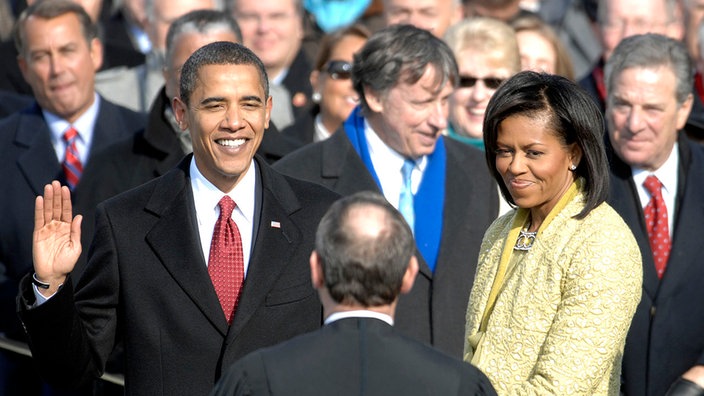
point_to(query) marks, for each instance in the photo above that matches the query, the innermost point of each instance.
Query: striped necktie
(73, 169)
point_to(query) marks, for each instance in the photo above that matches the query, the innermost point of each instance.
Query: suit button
(652, 311)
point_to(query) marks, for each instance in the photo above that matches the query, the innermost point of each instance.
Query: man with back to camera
(363, 259)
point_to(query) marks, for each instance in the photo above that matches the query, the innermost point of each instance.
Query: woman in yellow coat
(559, 278)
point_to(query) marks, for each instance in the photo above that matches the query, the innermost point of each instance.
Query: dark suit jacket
(156, 150)
(353, 356)
(666, 335)
(434, 311)
(11, 102)
(297, 82)
(115, 35)
(303, 128)
(146, 283)
(28, 162)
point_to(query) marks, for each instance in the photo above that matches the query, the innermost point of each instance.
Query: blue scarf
(428, 201)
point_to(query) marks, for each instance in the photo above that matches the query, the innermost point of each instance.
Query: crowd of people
(245, 197)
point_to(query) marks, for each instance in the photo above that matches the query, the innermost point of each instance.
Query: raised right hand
(56, 243)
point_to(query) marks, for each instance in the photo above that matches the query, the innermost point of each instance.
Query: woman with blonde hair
(487, 54)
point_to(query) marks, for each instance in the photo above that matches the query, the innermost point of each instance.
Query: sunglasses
(338, 70)
(490, 82)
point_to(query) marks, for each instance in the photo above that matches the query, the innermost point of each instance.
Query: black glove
(684, 387)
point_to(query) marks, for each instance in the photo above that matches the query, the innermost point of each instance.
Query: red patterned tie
(72, 164)
(657, 224)
(226, 261)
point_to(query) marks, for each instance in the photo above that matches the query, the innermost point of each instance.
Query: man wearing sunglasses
(393, 143)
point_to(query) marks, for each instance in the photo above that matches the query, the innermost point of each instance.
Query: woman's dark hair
(330, 41)
(572, 115)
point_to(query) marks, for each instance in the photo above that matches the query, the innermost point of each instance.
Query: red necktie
(72, 164)
(657, 224)
(226, 261)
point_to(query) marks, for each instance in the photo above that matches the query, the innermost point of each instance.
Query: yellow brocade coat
(560, 320)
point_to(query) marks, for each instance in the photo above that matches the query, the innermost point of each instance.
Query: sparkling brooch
(525, 240)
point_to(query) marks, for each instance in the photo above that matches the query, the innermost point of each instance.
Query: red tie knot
(653, 185)
(227, 205)
(70, 134)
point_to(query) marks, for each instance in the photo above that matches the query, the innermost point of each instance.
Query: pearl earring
(573, 167)
(316, 97)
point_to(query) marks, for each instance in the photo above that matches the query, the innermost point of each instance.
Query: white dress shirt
(387, 165)
(206, 197)
(320, 132)
(84, 125)
(362, 313)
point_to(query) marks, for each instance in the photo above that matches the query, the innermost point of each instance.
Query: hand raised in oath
(56, 244)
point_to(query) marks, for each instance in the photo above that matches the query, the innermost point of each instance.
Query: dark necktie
(657, 224)
(73, 169)
(226, 261)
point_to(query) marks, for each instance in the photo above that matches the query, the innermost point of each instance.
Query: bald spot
(367, 222)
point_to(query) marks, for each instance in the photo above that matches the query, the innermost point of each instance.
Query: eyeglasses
(490, 82)
(339, 70)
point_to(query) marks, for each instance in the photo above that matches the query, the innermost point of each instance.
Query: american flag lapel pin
(275, 224)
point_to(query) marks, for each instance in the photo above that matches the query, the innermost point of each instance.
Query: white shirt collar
(387, 165)
(279, 78)
(667, 174)
(321, 133)
(362, 313)
(140, 37)
(242, 194)
(206, 198)
(84, 125)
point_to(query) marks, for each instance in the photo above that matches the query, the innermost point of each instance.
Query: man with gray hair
(657, 184)
(618, 19)
(363, 260)
(163, 144)
(393, 144)
(137, 87)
